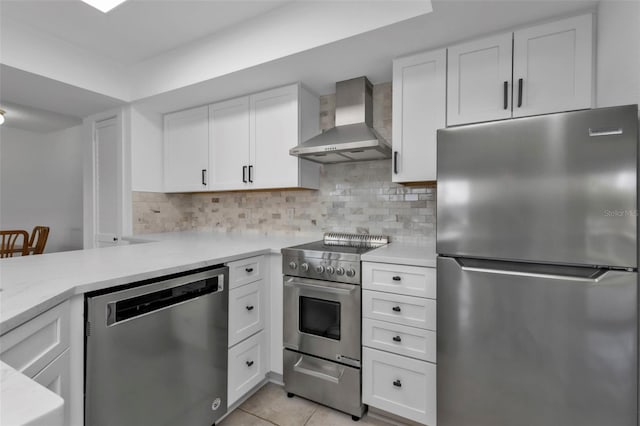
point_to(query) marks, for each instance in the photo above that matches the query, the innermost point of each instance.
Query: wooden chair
(9, 239)
(38, 239)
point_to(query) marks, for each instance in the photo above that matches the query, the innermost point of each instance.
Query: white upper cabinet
(548, 69)
(479, 80)
(419, 99)
(242, 143)
(229, 144)
(186, 150)
(274, 130)
(553, 66)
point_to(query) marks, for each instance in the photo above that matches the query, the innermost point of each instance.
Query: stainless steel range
(322, 319)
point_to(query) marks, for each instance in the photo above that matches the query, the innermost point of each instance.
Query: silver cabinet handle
(301, 368)
(605, 132)
(326, 287)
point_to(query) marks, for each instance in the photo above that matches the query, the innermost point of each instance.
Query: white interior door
(229, 144)
(108, 183)
(479, 80)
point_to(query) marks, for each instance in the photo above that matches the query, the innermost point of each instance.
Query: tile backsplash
(353, 197)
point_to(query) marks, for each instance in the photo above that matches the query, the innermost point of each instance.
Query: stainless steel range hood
(353, 138)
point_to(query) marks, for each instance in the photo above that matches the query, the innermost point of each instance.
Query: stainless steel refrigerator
(537, 236)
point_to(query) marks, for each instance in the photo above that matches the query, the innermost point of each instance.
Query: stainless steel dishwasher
(156, 353)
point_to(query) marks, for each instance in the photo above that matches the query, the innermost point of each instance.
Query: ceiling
(137, 29)
(371, 53)
(127, 34)
(40, 104)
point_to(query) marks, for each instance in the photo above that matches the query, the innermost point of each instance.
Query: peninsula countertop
(30, 285)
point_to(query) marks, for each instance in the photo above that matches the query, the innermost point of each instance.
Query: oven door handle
(304, 368)
(326, 286)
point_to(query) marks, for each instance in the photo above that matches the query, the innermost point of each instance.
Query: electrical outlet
(290, 213)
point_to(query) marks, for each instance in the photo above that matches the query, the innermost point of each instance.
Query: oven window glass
(320, 317)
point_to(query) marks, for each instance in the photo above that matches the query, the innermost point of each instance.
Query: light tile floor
(271, 406)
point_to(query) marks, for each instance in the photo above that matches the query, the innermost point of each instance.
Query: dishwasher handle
(127, 309)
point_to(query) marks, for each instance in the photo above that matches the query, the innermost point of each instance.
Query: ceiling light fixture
(104, 5)
(2, 116)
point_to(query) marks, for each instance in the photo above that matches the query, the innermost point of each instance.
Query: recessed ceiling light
(103, 5)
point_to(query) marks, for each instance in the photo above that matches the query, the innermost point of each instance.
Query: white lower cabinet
(56, 377)
(39, 349)
(399, 340)
(247, 366)
(399, 385)
(248, 346)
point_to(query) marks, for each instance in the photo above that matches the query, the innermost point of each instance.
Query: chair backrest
(38, 239)
(9, 239)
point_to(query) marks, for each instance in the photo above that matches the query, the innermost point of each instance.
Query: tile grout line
(311, 415)
(255, 415)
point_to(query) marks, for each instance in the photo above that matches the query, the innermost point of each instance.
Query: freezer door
(560, 188)
(535, 346)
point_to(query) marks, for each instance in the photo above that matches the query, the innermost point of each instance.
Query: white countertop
(25, 402)
(404, 254)
(32, 284)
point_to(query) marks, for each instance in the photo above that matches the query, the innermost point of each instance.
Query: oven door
(323, 318)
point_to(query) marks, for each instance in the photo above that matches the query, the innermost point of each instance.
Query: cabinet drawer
(245, 271)
(399, 309)
(33, 345)
(401, 279)
(399, 385)
(247, 367)
(246, 311)
(400, 339)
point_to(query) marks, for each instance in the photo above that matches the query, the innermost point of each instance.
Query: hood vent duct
(353, 138)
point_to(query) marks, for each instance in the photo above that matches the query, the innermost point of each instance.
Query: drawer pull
(249, 270)
(397, 339)
(396, 278)
(396, 309)
(397, 383)
(249, 307)
(249, 363)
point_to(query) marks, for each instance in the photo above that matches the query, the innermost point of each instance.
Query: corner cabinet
(537, 70)
(419, 99)
(186, 150)
(40, 349)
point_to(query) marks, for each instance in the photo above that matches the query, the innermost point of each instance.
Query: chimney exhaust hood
(353, 138)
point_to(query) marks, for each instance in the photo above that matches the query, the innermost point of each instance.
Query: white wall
(41, 184)
(146, 140)
(618, 53)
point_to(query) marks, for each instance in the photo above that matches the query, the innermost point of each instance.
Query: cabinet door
(229, 144)
(274, 130)
(479, 80)
(56, 377)
(419, 105)
(247, 366)
(553, 65)
(186, 150)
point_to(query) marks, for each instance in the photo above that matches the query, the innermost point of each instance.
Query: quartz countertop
(25, 402)
(423, 254)
(32, 284)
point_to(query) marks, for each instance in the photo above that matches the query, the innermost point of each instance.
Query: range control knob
(293, 265)
(304, 267)
(331, 269)
(351, 272)
(319, 269)
(340, 270)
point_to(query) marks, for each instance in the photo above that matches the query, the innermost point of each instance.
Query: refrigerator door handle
(592, 276)
(605, 132)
